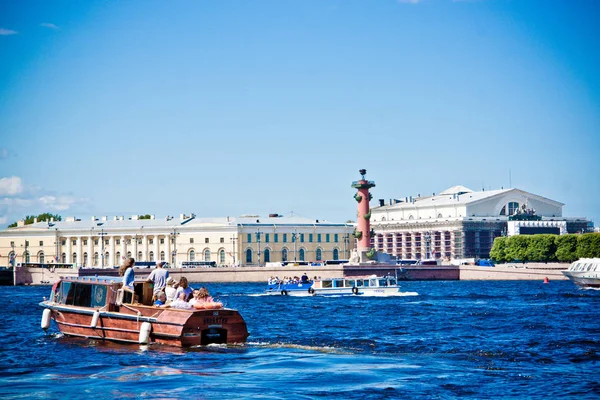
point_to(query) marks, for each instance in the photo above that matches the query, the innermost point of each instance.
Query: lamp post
(12, 262)
(102, 234)
(258, 241)
(233, 240)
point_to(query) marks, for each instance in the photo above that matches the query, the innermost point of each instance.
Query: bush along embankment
(546, 248)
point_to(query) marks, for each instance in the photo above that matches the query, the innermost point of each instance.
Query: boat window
(392, 282)
(99, 295)
(366, 283)
(383, 282)
(64, 292)
(359, 283)
(349, 283)
(327, 284)
(79, 294)
(338, 284)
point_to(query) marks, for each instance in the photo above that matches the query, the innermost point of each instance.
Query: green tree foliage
(498, 252)
(517, 249)
(566, 248)
(147, 216)
(588, 245)
(42, 217)
(541, 248)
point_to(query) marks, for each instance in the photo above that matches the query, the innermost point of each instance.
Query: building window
(162, 256)
(106, 242)
(74, 260)
(63, 242)
(118, 241)
(151, 256)
(285, 238)
(63, 258)
(139, 256)
(249, 238)
(206, 240)
(128, 254)
(310, 238)
(275, 237)
(222, 256)
(41, 257)
(513, 206)
(440, 216)
(74, 242)
(267, 255)
(327, 238)
(222, 240)
(301, 252)
(139, 241)
(118, 258)
(162, 241)
(267, 237)
(85, 259)
(336, 254)
(335, 238)
(191, 240)
(96, 242)
(248, 255)
(207, 255)
(319, 254)
(96, 259)
(84, 242)
(411, 217)
(107, 258)
(150, 241)
(41, 243)
(318, 238)
(302, 238)
(192, 255)
(284, 254)
(12, 244)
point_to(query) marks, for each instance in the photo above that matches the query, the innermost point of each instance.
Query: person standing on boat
(159, 277)
(126, 271)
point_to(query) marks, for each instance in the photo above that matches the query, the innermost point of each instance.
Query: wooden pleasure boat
(99, 308)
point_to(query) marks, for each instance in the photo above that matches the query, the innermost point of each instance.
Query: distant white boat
(585, 272)
(359, 286)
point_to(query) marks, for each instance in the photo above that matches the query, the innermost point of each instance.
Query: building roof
(458, 189)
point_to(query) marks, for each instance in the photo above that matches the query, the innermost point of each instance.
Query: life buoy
(284, 293)
(311, 290)
(46, 315)
(145, 330)
(355, 290)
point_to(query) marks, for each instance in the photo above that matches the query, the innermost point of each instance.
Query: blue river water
(454, 339)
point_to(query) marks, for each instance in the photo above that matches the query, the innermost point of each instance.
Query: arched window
(192, 255)
(207, 255)
(440, 215)
(301, 252)
(85, 259)
(27, 257)
(284, 254)
(319, 254)
(11, 258)
(513, 206)
(222, 256)
(336, 254)
(411, 217)
(162, 256)
(139, 256)
(63, 258)
(248, 256)
(267, 255)
(96, 259)
(151, 256)
(117, 258)
(73, 260)
(128, 254)
(107, 259)
(41, 257)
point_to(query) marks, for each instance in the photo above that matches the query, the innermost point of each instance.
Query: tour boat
(99, 308)
(585, 272)
(357, 286)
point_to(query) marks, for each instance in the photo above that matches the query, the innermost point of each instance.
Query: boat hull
(358, 291)
(583, 279)
(167, 326)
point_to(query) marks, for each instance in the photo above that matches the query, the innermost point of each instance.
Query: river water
(454, 339)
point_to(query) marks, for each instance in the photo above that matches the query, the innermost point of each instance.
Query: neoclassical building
(461, 223)
(246, 240)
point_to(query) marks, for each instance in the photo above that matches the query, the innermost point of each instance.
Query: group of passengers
(289, 280)
(167, 291)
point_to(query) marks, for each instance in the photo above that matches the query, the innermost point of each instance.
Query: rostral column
(363, 230)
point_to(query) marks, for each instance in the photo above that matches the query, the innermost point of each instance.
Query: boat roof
(93, 279)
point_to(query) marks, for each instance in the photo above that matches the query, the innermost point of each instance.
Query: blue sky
(232, 107)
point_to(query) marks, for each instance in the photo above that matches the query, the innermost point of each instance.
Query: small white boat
(585, 272)
(357, 286)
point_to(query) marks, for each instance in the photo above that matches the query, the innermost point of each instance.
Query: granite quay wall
(508, 272)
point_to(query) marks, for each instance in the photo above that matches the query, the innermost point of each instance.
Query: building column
(395, 244)
(68, 249)
(156, 248)
(111, 252)
(80, 250)
(90, 251)
(403, 238)
(123, 248)
(145, 248)
(168, 249)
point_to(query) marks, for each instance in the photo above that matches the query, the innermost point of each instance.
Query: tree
(147, 216)
(541, 248)
(517, 248)
(566, 248)
(588, 245)
(42, 217)
(498, 252)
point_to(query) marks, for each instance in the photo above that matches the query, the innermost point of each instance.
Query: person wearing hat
(159, 277)
(171, 290)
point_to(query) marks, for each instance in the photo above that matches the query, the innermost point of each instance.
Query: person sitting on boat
(126, 271)
(305, 278)
(194, 296)
(185, 288)
(159, 277)
(161, 300)
(171, 289)
(181, 302)
(204, 300)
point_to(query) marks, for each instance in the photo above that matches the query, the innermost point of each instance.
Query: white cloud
(10, 186)
(60, 203)
(49, 26)
(7, 32)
